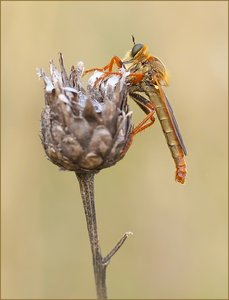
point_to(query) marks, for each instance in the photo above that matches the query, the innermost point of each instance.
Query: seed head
(84, 129)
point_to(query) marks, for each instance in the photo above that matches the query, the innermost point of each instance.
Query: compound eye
(136, 49)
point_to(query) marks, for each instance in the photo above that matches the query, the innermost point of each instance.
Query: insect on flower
(147, 75)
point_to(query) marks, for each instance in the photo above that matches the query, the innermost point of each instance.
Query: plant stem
(100, 263)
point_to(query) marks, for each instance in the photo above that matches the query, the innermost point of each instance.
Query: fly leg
(136, 78)
(106, 74)
(115, 60)
(148, 108)
(107, 70)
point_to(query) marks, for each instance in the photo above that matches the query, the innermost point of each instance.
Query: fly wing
(175, 125)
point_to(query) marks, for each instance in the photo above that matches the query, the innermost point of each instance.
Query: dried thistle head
(84, 130)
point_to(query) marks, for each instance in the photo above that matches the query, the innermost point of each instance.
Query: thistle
(85, 130)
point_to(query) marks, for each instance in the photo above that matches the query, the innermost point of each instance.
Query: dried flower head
(84, 130)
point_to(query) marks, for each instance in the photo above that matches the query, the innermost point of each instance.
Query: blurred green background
(179, 246)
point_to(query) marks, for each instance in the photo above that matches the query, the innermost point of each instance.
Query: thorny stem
(100, 263)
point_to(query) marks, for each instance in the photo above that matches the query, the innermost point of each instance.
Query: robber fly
(147, 76)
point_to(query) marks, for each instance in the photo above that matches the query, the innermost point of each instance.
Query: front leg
(114, 60)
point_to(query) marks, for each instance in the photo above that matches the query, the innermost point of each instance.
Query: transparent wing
(175, 125)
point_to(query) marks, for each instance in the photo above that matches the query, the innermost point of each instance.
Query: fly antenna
(133, 39)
